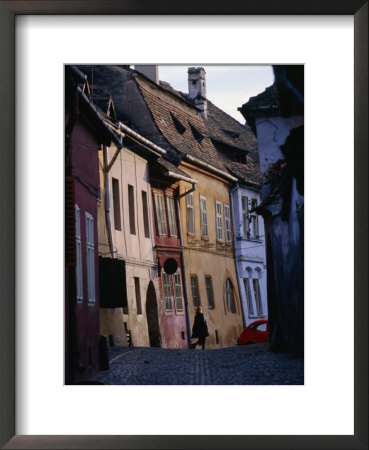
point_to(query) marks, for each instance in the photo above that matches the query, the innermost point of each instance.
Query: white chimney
(197, 88)
(150, 71)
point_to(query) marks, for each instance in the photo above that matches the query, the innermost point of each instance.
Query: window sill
(249, 239)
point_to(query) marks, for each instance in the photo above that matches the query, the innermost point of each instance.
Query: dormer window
(196, 133)
(232, 134)
(178, 124)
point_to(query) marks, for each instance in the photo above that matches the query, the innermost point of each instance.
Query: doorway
(152, 316)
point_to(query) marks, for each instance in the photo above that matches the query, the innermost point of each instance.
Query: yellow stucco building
(209, 255)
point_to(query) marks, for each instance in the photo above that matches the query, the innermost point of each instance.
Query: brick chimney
(151, 71)
(197, 88)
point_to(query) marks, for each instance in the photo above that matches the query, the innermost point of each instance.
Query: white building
(250, 252)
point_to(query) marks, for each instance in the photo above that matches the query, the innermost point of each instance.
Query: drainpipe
(237, 268)
(107, 201)
(188, 322)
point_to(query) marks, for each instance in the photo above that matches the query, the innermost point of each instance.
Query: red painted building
(84, 134)
(174, 320)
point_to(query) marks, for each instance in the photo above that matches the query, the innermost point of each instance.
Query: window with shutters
(227, 222)
(195, 291)
(204, 217)
(171, 216)
(219, 221)
(166, 292)
(160, 214)
(145, 213)
(245, 216)
(190, 214)
(131, 209)
(209, 291)
(90, 249)
(229, 292)
(79, 278)
(116, 204)
(178, 291)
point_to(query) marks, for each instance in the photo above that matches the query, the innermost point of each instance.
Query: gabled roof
(177, 124)
(182, 125)
(195, 140)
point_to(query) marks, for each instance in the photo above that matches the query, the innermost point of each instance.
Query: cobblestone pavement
(246, 365)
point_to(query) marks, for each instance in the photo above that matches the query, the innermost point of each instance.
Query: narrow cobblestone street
(246, 365)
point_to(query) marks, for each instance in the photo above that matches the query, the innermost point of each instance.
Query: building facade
(126, 243)
(164, 179)
(84, 134)
(249, 242)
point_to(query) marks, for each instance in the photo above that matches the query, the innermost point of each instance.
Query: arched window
(229, 292)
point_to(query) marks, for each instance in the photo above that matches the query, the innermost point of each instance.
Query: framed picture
(12, 257)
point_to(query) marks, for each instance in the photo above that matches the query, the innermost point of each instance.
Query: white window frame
(190, 213)
(79, 272)
(178, 293)
(171, 216)
(210, 291)
(227, 222)
(90, 261)
(219, 220)
(204, 217)
(160, 213)
(258, 303)
(245, 216)
(249, 299)
(167, 294)
(254, 218)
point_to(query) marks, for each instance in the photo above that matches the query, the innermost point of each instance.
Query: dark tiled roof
(226, 129)
(221, 127)
(188, 132)
(248, 173)
(263, 102)
(195, 143)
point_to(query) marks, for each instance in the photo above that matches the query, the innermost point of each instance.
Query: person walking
(199, 329)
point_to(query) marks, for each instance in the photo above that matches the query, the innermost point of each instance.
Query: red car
(255, 333)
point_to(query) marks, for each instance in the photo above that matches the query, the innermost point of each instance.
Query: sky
(227, 86)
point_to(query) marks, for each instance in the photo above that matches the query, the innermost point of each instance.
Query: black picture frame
(8, 11)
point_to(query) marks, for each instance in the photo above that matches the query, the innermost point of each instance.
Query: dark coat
(200, 327)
